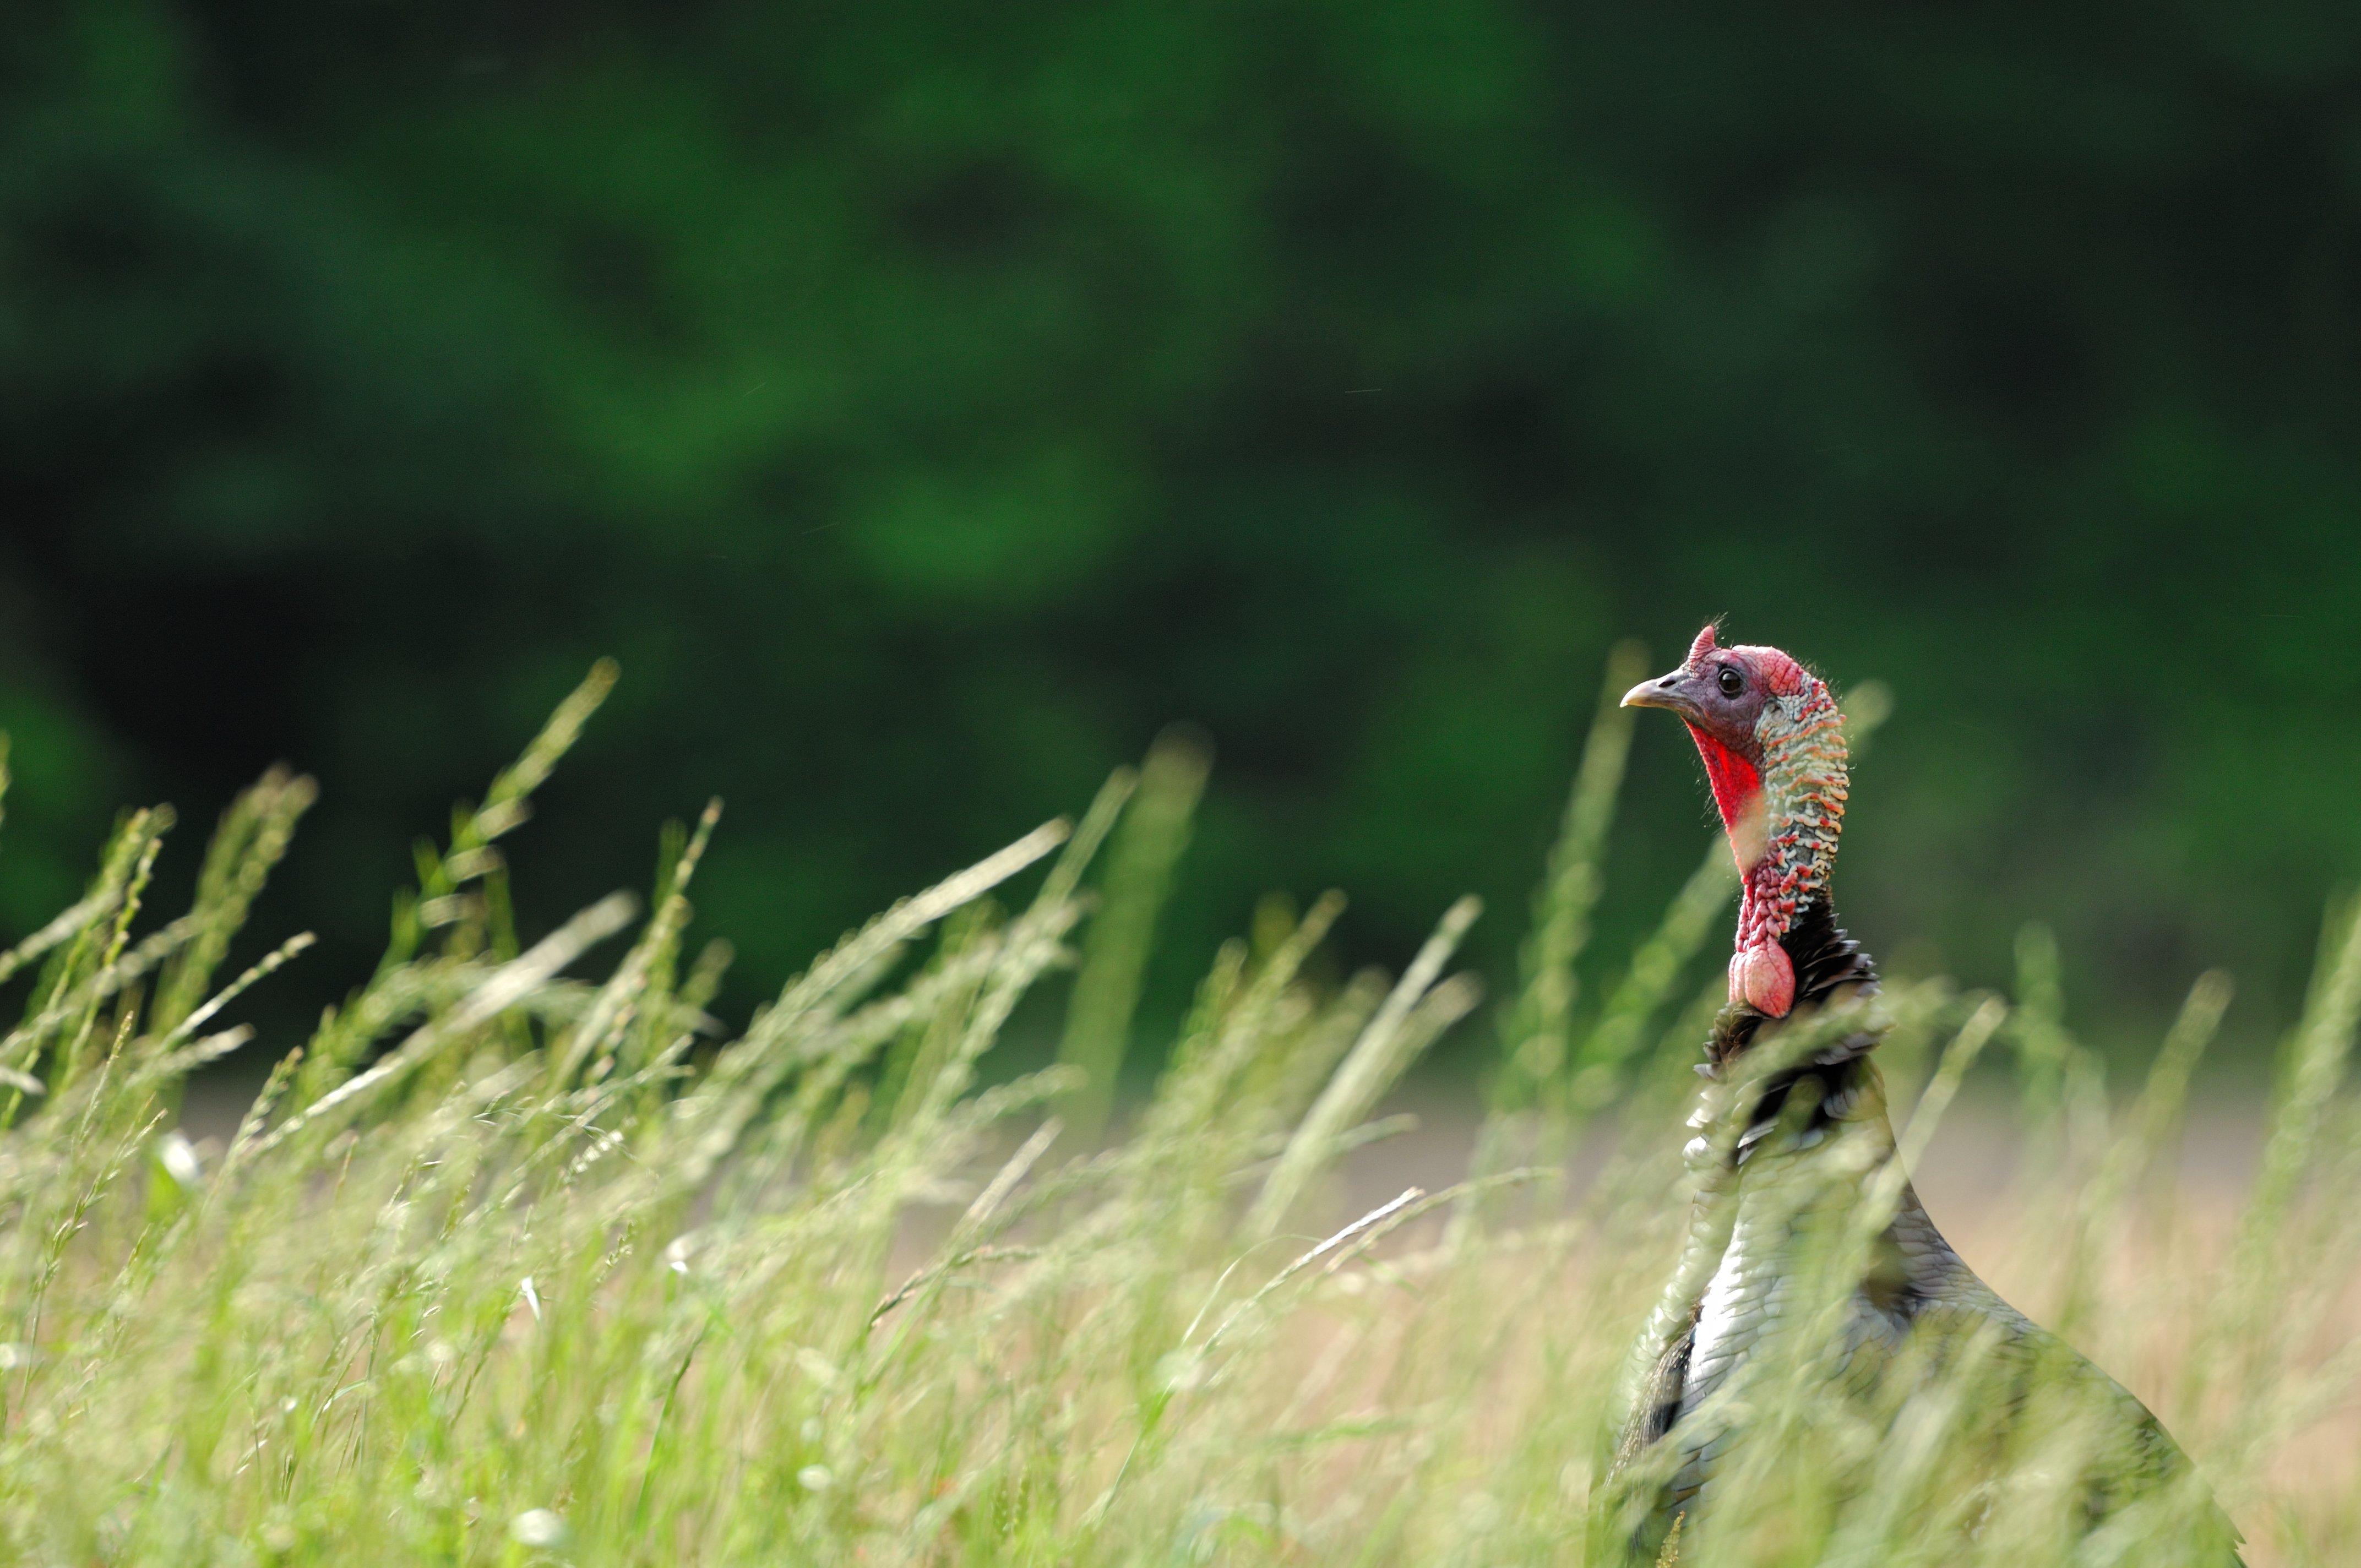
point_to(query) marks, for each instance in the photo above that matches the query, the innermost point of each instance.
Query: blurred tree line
(928, 402)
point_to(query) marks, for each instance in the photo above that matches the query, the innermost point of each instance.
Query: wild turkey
(1905, 1326)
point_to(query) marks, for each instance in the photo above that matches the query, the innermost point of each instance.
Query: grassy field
(523, 1258)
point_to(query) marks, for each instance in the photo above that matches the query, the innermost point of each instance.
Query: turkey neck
(1781, 800)
(1785, 839)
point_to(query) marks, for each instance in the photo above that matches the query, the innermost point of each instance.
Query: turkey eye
(1731, 684)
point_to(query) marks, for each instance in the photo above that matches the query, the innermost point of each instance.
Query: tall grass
(523, 1257)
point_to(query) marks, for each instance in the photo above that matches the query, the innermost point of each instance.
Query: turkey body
(1888, 1345)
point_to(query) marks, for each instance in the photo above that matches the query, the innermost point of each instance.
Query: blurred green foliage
(926, 402)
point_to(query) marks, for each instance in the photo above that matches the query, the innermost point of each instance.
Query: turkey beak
(1668, 692)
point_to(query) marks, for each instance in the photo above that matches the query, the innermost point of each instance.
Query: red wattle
(1736, 782)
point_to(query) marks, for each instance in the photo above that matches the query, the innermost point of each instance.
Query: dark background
(928, 403)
